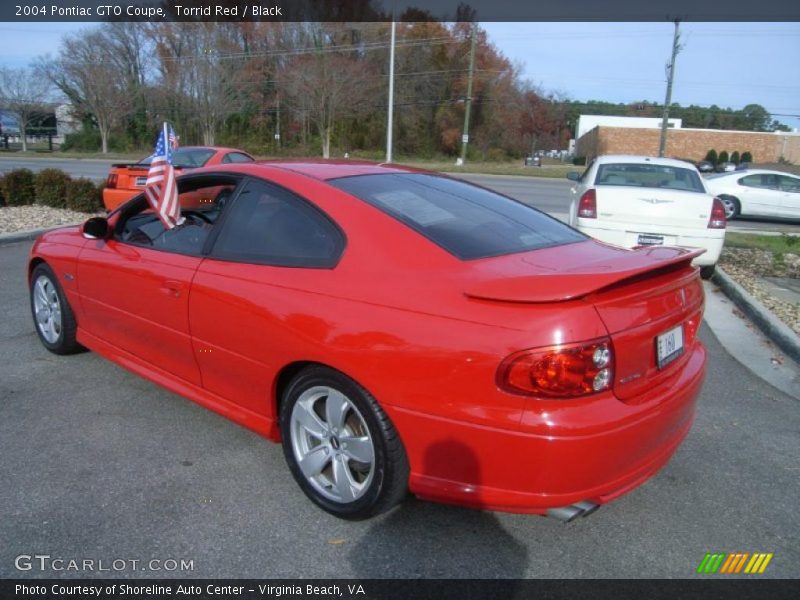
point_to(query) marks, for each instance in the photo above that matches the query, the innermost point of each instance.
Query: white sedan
(757, 193)
(639, 200)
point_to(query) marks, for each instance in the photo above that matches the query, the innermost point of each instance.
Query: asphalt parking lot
(99, 464)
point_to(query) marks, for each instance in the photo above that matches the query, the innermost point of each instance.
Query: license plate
(140, 181)
(669, 346)
(650, 240)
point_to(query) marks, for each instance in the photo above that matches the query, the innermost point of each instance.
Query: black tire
(707, 272)
(63, 338)
(385, 482)
(733, 208)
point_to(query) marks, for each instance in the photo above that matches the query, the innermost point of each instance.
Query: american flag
(161, 189)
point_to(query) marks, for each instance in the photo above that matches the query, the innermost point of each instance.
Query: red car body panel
(423, 331)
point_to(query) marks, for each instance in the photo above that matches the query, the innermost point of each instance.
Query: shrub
(723, 156)
(579, 161)
(711, 156)
(747, 157)
(51, 188)
(83, 195)
(735, 157)
(2, 198)
(18, 187)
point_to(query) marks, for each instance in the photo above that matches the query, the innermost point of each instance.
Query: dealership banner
(397, 589)
(398, 10)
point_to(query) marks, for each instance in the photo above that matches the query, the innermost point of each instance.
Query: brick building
(689, 143)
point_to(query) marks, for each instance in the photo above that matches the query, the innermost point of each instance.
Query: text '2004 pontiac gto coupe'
(396, 330)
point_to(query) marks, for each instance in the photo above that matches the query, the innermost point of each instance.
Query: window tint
(465, 220)
(270, 225)
(760, 180)
(236, 157)
(650, 176)
(789, 184)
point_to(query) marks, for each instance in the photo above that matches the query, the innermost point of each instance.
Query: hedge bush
(18, 187)
(711, 156)
(51, 187)
(723, 156)
(84, 196)
(2, 197)
(735, 157)
(747, 157)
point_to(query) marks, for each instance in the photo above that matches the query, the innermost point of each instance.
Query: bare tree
(328, 87)
(92, 80)
(25, 95)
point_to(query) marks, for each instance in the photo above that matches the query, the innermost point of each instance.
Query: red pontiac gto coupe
(397, 330)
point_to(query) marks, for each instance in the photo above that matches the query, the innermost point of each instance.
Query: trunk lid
(653, 208)
(638, 294)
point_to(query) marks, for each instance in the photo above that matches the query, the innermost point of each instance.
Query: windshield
(649, 176)
(466, 220)
(186, 157)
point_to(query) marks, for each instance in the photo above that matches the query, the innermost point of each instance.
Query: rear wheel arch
(35, 262)
(733, 206)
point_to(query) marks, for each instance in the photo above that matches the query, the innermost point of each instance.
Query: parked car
(127, 180)
(395, 330)
(725, 167)
(641, 201)
(757, 193)
(705, 166)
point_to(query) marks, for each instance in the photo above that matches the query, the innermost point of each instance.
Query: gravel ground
(25, 218)
(747, 265)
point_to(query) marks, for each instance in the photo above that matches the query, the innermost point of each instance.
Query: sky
(727, 64)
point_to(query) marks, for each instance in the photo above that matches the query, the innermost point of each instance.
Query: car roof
(758, 172)
(214, 148)
(643, 160)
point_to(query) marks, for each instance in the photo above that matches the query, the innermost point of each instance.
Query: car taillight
(566, 371)
(111, 182)
(587, 205)
(717, 219)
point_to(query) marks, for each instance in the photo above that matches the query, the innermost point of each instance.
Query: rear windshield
(650, 176)
(467, 221)
(186, 158)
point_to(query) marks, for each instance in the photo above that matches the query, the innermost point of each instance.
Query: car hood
(570, 272)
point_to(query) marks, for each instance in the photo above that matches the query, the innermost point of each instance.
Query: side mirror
(574, 176)
(95, 228)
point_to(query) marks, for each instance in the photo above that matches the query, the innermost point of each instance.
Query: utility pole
(390, 119)
(676, 48)
(465, 135)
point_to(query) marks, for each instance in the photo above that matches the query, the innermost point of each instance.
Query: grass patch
(777, 244)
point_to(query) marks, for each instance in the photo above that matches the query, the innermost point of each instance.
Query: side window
(236, 157)
(789, 184)
(270, 225)
(758, 181)
(200, 207)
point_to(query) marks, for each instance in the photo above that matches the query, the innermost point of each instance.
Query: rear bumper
(627, 236)
(518, 471)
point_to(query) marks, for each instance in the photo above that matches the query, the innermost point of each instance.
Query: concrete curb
(23, 236)
(775, 329)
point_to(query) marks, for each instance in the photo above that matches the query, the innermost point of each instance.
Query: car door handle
(172, 287)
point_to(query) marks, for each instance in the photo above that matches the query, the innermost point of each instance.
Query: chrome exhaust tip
(565, 514)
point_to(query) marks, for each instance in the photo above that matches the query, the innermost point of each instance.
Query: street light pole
(390, 119)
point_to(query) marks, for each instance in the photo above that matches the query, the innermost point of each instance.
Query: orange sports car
(127, 180)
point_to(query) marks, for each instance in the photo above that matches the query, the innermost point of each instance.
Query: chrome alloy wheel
(332, 444)
(47, 309)
(730, 207)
